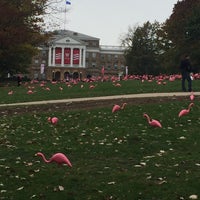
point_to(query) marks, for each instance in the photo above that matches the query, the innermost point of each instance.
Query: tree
(143, 48)
(183, 28)
(20, 33)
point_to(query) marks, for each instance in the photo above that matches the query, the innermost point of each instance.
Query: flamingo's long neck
(189, 107)
(123, 105)
(45, 160)
(148, 118)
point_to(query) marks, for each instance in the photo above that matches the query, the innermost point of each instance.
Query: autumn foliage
(20, 33)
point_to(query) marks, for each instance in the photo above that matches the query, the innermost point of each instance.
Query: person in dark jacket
(186, 71)
(19, 80)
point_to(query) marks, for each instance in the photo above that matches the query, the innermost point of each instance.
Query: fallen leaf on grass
(111, 183)
(59, 188)
(193, 196)
(169, 128)
(28, 164)
(143, 164)
(146, 157)
(182, 138)
(161, 181)
(137, 165)
(149, 177)
(31, 175)
(36, 170)
(20, 188)
(161, 153)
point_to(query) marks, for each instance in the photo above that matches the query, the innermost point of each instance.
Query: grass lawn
(65, 91)
(114, 155)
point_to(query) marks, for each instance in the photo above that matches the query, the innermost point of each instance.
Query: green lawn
(114, 155)
(83, 90)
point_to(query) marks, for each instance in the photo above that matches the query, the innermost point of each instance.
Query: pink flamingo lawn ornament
(58, 158)
(53, 120)
(185, 111)
(61, 88)
(10, 92)
(152, 122)
(117, 85)
(117, 107)
(30, 92)
(92, 86)
(192, 96)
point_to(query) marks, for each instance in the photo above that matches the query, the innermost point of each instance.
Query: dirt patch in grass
(86, 105)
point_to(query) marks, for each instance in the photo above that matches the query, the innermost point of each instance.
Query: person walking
(186, 71)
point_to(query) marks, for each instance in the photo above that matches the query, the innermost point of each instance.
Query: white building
(75, 55)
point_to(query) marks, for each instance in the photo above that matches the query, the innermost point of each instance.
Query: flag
(58, 55)
(67, 56)
(68, 2)
(76, 53)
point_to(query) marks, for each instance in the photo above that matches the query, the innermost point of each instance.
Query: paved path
(128, 96)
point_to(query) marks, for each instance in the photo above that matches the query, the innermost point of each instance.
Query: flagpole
(65, 13)
(65, 18)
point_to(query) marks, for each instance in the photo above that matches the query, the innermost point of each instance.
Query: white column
(84, 56)
(71, 57)
(50, 61)
(62, 58)
(80, 57)
(54, 56)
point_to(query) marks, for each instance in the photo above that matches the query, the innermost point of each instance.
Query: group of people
(186, 72)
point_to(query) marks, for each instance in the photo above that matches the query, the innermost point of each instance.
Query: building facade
(75, 55)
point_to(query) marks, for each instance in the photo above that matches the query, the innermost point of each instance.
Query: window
(35, 75)
(94, 44)
(86, 43)
(109, 57)
(94, 55)
(44, 53)
(93, 65)
(102, 56)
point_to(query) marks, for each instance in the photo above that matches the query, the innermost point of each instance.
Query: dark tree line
(20, 33)
(155, 48)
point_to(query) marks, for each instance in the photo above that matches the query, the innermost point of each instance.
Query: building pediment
(68, 41)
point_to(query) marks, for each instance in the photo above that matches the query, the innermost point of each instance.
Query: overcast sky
(108, 20)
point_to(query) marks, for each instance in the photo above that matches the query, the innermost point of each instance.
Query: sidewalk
(128, 96)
